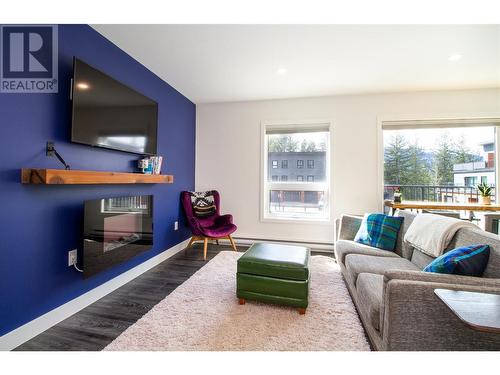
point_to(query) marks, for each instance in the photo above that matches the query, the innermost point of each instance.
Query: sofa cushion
(356, 264)
(466, 261)
(379, 230)
(402, 248)
(420, 259)
(370, 289)
(344, 247)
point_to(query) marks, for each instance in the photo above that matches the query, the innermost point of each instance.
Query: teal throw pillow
(379, 230)
(466, 261)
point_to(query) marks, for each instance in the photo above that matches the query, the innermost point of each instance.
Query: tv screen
(108, 114)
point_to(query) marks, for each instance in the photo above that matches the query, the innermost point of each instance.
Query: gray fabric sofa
(395, 298)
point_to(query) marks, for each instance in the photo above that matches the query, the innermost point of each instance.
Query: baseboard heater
(316, 246)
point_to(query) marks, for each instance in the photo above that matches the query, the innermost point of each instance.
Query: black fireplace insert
(115, 230)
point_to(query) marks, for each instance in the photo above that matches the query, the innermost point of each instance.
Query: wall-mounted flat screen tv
(109, 114)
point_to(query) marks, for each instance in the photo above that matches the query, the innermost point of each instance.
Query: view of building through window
(439, 164)
(298, 186)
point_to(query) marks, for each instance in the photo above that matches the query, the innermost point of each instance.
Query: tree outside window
(442, 164)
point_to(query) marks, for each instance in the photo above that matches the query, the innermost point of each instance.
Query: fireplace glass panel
(115, 230)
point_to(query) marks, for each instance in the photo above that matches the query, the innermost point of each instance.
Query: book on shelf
(156, 164)
(151, 164)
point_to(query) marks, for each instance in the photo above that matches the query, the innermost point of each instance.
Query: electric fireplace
(115, 230)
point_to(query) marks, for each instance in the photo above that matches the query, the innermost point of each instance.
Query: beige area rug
(203, 314)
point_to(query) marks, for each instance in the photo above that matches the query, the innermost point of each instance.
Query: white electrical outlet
(176, 225)
(72, 257)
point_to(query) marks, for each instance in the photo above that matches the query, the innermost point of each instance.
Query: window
(439, 161)
(275, 164)
(470, 181)
(295, 196)
(274, 178)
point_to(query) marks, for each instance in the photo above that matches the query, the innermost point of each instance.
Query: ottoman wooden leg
(302, 311)
(242, 301)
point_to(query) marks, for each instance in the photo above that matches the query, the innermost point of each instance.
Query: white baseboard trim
(29, 330)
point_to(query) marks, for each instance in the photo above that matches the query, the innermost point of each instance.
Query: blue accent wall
(39, 224)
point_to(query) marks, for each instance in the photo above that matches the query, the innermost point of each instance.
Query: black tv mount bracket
(51, 151)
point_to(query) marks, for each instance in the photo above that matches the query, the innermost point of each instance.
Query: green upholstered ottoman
(275, 274)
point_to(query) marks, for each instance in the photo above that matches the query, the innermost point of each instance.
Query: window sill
(291, 220)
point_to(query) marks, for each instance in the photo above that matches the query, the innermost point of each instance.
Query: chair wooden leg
(205, 245)
(242, 301)
(217, 242)
(233, 245)
(302, 311)
(190, 242)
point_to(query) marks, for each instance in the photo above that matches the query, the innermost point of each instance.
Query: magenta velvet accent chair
(212, 227)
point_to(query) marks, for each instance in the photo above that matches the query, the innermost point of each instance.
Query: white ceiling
(213, 63)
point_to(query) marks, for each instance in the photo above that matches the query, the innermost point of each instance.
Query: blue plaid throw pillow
(379, 230)
(466, 261)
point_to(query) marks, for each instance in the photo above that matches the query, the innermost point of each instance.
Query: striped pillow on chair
(203, 203)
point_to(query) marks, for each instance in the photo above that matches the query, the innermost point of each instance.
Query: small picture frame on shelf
(144, 165)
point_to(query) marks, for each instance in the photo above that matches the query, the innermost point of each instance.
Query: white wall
(228, 149)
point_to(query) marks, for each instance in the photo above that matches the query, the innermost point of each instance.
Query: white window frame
(430, 122)
(265, 186)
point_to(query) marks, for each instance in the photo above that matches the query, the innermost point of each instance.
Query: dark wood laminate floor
(94, 327)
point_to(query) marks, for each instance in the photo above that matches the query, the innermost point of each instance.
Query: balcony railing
(472, 166)
(436, 193)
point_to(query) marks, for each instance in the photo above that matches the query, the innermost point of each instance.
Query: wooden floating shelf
(71, 177)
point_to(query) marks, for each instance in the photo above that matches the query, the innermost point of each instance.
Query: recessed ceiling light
(455, 57)
(82, 85)
(282, 71)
